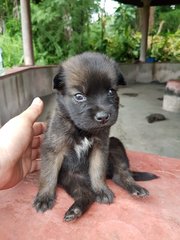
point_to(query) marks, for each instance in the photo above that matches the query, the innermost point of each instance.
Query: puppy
(77, 152)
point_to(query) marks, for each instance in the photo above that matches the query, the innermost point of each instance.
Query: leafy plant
(166, 48)
(170, 17)
(12, 50)
(62, 28)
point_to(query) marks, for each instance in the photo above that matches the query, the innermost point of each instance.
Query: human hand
(20, 140)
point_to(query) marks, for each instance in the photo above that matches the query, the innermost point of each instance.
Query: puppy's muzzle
(102, 117)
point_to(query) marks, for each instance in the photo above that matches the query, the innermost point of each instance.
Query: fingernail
(37, 101)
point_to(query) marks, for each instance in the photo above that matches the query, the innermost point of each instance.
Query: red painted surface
(154, 218)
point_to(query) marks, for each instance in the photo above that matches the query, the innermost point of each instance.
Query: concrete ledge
(148, 72)
(18, 88)
(166, 71)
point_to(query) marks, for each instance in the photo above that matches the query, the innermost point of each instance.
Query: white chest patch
(83, 147)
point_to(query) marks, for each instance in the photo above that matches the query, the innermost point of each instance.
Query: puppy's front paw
(138, 191)
(105, 196)
(44, 202)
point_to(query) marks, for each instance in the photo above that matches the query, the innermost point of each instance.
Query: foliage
(12, 50)
(166, 48)
(125, 16)
(169, 15)
(10, 41)
(62, 28)
(124, 42)
(6, 8)
(122, 46)
(114, 36)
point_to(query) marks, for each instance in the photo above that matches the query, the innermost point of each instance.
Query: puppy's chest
(83, 147)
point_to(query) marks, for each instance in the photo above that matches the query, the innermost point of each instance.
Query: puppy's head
(86, 86)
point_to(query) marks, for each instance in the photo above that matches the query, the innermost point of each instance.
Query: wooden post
(27, 32)
(144, 29)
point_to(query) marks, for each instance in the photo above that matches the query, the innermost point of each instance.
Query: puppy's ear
(58, 81)
(120, 77)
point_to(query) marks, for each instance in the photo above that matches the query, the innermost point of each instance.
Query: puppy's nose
(102, 117)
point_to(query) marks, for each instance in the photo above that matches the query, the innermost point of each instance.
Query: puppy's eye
(111, 92)
(79, 97)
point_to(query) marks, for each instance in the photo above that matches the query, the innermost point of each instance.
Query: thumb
(34, 110)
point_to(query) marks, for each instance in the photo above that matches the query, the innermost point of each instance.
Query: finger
(35, 154)
(37, 141)
(35, 165)
(34, 110)
(38, 128)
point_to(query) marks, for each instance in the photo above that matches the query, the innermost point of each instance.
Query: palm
(20, 140)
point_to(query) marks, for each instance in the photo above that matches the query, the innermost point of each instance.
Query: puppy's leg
(97, 172)
(119, 167)
(51, 164)
(78, 186)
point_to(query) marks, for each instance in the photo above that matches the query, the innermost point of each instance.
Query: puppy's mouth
(97, 121)
(103, 122)
(95, 126)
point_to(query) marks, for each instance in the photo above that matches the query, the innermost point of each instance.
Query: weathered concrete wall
(166, 71)
(18, 88)
(148, 72)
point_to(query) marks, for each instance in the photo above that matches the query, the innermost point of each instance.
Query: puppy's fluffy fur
(77, 152)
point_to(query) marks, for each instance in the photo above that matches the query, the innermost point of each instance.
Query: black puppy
(77, 152)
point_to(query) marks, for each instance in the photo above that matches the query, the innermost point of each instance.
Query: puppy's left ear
(58, 81)
(120, 77)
